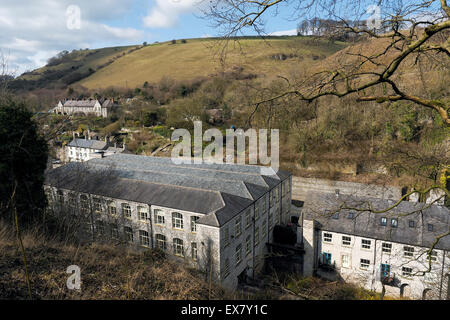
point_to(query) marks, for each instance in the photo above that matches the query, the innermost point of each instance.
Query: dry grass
(107, 272)
(199, 58)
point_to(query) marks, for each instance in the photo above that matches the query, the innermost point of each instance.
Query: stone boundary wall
(301, 186)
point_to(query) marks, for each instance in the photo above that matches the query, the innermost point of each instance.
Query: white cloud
(292, 32)
(167, 12)
(33, 31)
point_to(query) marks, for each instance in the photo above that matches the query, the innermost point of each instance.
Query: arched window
(426, 294)
(161, 241)
(194, 223)
(405, 290)
(178, 248)
(177, 220)
(142, 212)
(159, 217)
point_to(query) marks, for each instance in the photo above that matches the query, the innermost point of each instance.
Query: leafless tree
(410, 33)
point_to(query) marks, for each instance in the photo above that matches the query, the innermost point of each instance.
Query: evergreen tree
(23, 160)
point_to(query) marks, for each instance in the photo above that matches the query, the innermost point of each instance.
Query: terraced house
(378, 248)
(217, 217)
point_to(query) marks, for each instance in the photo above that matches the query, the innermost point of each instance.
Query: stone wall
(301, 186)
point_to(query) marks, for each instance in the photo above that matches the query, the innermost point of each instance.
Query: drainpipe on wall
(150, 226)
(253, 242)
(442, 277)
(374, 272)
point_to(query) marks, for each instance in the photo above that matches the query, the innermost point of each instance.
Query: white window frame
(114, 231)
(161, 241)
(407, 272)
(327, 237)
(129, 234)
(248, 245)
(364, 264)
(178, 247)
(386, 247)
(144, 238)
(238, 254)
(177, 221)
(142, 210)
(264, 229)
(238, 227)
(248, 219)
(345, 261)
(367, 245)
(226, 236)
(112, 207)
(408, 251)
(159, 217)
(346, 241)
(194, 220)
(126, 210)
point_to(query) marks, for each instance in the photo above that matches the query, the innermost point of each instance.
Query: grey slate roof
(218, 191)
(320, 206)
(91, 144)
(228, 178)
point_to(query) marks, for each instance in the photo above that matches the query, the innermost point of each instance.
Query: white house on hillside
(81, 150)
(100, 108)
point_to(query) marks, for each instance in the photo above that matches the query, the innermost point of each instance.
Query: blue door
(385, 270)
(326, 258)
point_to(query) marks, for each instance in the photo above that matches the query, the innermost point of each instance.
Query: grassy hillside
(132, 66)
(71, 68)
(185, 61)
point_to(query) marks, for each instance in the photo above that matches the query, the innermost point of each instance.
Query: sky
(32, 31)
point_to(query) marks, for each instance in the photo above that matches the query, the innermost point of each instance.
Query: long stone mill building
(217, 217)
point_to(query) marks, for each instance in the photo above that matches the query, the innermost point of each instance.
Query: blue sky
(31, 31)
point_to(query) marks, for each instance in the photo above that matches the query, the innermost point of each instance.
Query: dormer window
(430, 227)
(383, 221)
(394, 223)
